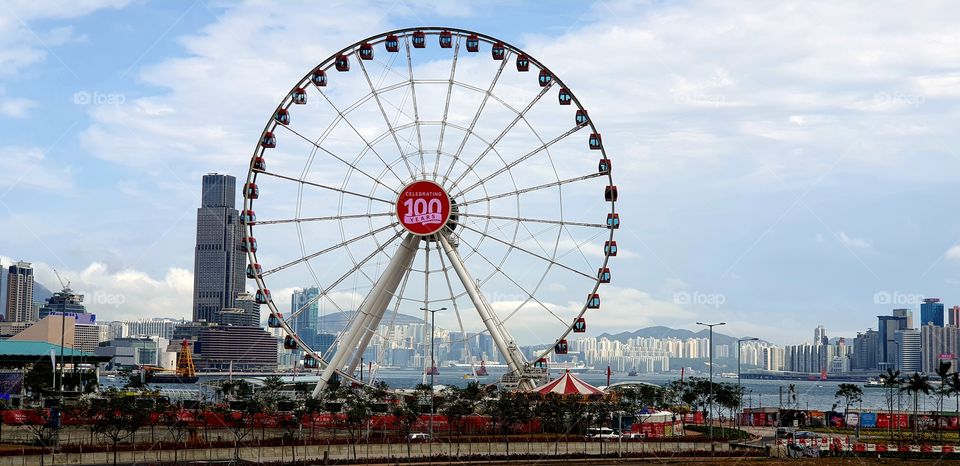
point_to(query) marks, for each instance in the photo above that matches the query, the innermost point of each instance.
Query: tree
(171, 418)
(117, 416)
(943, 370)
(954, 387)
(240, 422)
(552, 411)
(44, 426)
(849, 393)
(37, 380)
(915, 384)
(890, 380)
(456, 407)
(406, 412)
(357, 408)
(727, 395)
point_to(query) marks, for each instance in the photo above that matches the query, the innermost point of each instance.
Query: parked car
(633, 436)
(602, 433)
(804, 434)
(419, 437)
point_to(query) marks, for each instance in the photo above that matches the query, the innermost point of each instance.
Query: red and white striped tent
(568, 384)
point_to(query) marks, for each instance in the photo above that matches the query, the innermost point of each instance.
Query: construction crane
(64, 286)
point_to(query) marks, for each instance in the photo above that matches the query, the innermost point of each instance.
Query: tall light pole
(739, 388)
(710, 400)
(433, 362)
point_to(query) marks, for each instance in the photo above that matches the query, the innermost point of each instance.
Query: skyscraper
(820, 335)
(909, 360)
(906, 314)
(20, 293)
(931, 311)
(954, 316)
(306, 321)
(887, 327)
(219, 263)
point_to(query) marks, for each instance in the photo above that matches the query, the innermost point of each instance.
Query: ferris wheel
(425, 170)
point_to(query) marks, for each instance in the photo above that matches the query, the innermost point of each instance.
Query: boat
(186, 372)
(433, 370)
(873, 383)
(632, 373)
(482, 371)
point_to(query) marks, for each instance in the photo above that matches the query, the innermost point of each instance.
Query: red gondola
(603, 166)
(391, 43)
(595, 143)
(565, 96)
(268, 140)
(580, 325)
(419, 40)
(446, 39)
(523, 63)
(259, 164)
(593, 301)
(254, 271)
(282, 116)
(610, 248)
(289, 342)
(604, 275)
(582, 117)
(263, 296)
(366, 51)
(560, 347)
(248, 244)
(610, 193)
(248, 217)
(498, 51)
(274, 320)
(613, 221)
(473, 43)
(342, 63)
(319, 77)
(540, 363)
(299, 96)
(251, 191)
(309, 362)
(545, 78)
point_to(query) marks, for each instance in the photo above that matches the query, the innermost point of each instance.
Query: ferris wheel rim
(352, 49)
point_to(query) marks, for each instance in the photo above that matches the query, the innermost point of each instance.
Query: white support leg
(501, 337)
(371, 310)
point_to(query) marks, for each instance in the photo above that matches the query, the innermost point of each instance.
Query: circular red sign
(423, 207)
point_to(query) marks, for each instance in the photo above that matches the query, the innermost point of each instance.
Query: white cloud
(15, 107)
(28, 167)
(855, 243)
(953, 254)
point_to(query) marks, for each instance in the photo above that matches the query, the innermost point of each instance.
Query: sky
(780, 164)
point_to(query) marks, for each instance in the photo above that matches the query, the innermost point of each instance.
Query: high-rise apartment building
(908, 343)
(820, 335)
(953, 316)
(866, 348)
(20, 306)
(218, 261)
(931, 311)
(938, 344)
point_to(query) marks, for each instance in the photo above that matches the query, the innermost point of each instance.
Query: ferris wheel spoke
(372, 308)
(453, 300)
(446, 107)
(393, 317)
(360, 135)
(476, 116)
(335, 156)
(321, 219)
(530, 295)
(538, 256)
(533, 220)
(520, 116)
(416, 111)
(331, 248)
(533, 188)
(526, 156)
(505, 343)
(385, 118)
(341, 278)
(323, 186)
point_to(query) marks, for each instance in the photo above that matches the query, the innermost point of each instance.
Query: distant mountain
(667, 332)
(338, 321)
(41, 293)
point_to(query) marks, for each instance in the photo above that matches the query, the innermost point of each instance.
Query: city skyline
(801, 231)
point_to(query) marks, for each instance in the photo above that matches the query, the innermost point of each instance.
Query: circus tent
(568, 384)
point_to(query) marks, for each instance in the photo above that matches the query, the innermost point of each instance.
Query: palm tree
(917, 383)
(891, 380)
(954, 384)
(942, 370)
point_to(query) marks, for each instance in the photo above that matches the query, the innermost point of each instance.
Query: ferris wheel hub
(423, 207)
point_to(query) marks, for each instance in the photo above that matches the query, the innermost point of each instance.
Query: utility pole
(710, 400)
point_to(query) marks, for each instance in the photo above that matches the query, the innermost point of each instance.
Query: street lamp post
(739, 388)
(710, 400)
(433, 362)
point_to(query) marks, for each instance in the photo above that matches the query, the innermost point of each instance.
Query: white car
(419, 437)
(602, 433)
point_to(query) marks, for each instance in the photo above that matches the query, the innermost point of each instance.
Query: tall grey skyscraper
(20, 293)
(218, 267)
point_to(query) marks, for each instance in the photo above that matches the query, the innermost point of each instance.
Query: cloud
(15, 107)
(28, 167)
(953, 254)
(855, 243)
